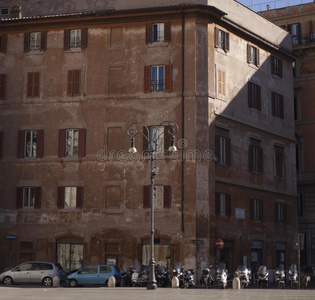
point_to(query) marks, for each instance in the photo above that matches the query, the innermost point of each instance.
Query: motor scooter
(144, 276)
(162, 276)
(206, 279)
(222, 275)
(188, 278)
(134, 277)
(263, 276)
(280, 276)
(293, 277)
(243, 274)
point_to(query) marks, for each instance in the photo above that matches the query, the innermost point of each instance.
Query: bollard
(175, 282)
(111, 281)
(236, 283)
(56, 281)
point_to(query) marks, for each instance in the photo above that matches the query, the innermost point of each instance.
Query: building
(299, 20)
(72, 82)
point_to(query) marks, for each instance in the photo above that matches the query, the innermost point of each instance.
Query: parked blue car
(93, 275)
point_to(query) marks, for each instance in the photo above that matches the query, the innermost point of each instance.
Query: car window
(59, 267)
(89, 270)
(36, 266)
(105, 269)
(24, 267)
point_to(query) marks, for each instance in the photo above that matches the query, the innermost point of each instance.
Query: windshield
(262, 269)
(280, 268)
(293, 269)
(222, 266)
(241, 268)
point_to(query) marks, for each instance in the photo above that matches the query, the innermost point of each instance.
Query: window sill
(221, 51)
(157, 44)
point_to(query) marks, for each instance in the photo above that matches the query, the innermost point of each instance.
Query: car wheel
(73, 283)
(47, 281)
(7, 280)
(106, 283)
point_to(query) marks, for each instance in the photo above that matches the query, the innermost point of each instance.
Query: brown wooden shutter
(29, 92)
(62, 143)
(281, 107)
(148, 33)
(21, 144)
(217, 204)
(227, 41)
(84, 37)
(81, 146)
(228, 151)
(80, 192)
(1, 144)
(167, 31)
(43, 41)
(168, 78)
(249, 56)
(66, 41)
(167, 196)
(40, 144)
(19, 197)
(3, 81)
(257, 57)
(146, 196)
(273, 103)
(261, 209)
(216, 37)
(260, 159)
(70, 83)
(250, 94)
(36, 84)
(61, 197)
(258, 97)
(228, 205)
(38, 197)
(26, 41)
(250, 157)
(76, 83)
(147, 79)
(272, 65)
(4, 40)
(217, 147)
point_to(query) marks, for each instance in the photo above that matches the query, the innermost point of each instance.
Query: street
(42, 293)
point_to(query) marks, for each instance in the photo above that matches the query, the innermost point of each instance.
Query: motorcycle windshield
(222, 267)
(161, 269)
(293, 269)
(262, 270)
(242, 269)
(280, 268)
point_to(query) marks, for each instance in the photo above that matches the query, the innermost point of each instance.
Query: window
(3, 43)
(71, 142)
(89, 270)
(280, 212)
(161, 196)
(277, 105)
(1, 144)
(222, 146)
(75, 38)
(255, 156)
(73, 83)
(161, 134)
(4, 11)
(31, 143)
(254, 96)
(279, 161)
(28, 197)
(222, 39)
(158, 32)
(295, 32)
(113, 196)
(256, 209)
(105, 269)
(33, 84)
(35, 41)
(253, 55)
(276, 66)
(300, 205)
(3, 84)
(221, 83)
(157, 78)
(70, 197)
(223, 204)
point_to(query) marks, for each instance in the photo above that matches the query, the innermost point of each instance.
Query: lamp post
(152, 135)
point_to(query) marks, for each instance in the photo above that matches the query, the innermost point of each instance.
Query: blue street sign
(10, 237)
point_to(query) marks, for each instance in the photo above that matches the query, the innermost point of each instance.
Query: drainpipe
(183, 114)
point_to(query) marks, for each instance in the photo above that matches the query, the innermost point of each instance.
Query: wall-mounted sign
(11, 237)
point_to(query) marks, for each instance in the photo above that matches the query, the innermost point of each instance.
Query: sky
(261, 5)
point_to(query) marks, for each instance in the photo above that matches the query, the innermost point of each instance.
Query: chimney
(16, 12)
(268, 6)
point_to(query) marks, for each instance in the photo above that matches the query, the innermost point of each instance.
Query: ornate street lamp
(152, 135)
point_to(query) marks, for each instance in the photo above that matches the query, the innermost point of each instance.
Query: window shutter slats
(250, 94)
(70, 83)
(3, 83)
(168, 78)
(43, 41)
(281, 107)
(167, 196)
(40, 144)
(146, 196)
(81, 150)
(250, 157)
(217, 41)
(228, 151)
(261, 209)
(147, 79)
(1, 144)
(148, 33)
(66, 42)
(217, 204)
(38, 197)
(76, 82)
(4, 40)
(21, 143)
(62, 143)
(84, 37)
(61, 196)
(228, 205)
(249, 56)
(258, 57)
(29, 92)
(167, 31)
(26, 41)
(79, 203)
(36, 84)
(259, 97)
(273, 103)
(227, 41)
(252, 213)
(19, 197)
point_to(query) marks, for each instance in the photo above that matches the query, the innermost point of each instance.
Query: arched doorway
(70, 253)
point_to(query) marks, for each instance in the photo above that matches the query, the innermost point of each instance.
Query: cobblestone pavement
(41, 293)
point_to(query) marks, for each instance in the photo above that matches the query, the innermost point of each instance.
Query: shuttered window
(257, 209)
(33, 84)
(223, 204)
(221, 83)
(75, 38)
(73, 83)
(222, 39)
(254, 96)
(253, 56)
(277, 105)
(255, 156)
(35, 41)
(70, 197)
(28, 197)
(3, 83)
(161, 196)
(71, 142)
(30, 143)
(158, 32)
(158, 78)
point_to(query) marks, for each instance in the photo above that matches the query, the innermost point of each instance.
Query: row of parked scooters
(185, 277)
